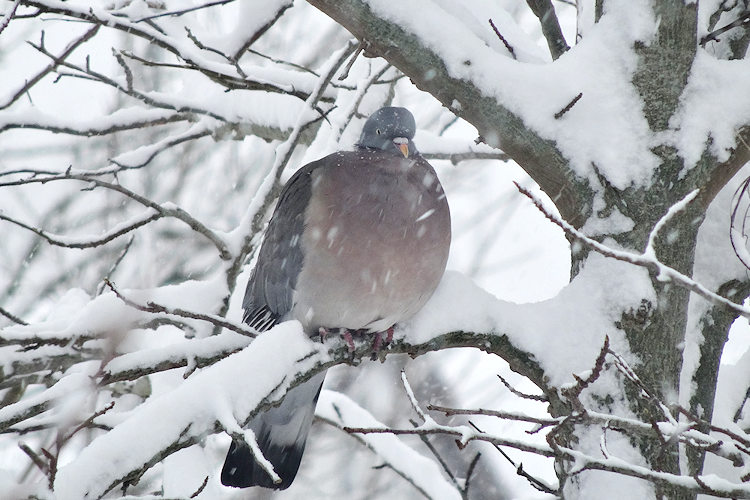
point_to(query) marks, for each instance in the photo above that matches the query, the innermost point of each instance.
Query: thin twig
(166, 210)
(177, 13)
(200, 488)
(502, 39)
(56, 60)
(35, 458)
(469, 473)
(523, 395)
(412, 398)
(12, 317)
(154, 308)
(535, 482)
(88, 242)
(569, 106)
(573, 393)
(438, 457)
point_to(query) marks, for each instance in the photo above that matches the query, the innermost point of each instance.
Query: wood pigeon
(357, 243)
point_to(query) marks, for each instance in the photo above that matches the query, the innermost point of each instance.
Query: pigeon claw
(349, 340)
(379, 343)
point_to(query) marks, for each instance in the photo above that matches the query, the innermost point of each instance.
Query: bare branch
(537, 483)
(544, 10)
(89, 241)
(164, 210)
(502, 39)
(568, 106)
(523, 395)
(56, 60)
(12, 317)
(177, 13)
(742, 19)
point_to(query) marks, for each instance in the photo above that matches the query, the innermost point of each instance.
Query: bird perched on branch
(357, 243)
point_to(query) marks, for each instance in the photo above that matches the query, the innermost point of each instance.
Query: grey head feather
(385, 125)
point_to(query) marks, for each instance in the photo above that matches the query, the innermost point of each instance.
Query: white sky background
(502, 242)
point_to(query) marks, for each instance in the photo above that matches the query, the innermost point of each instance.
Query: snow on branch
(294, 359)
(278, 80)
(121, 229)
(650, 262)
(424, 475)
(29, 83)
(110, 460)
(154, 308)
(163, 210)
(665, 431)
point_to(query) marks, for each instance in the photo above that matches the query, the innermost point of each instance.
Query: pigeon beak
(403, 145)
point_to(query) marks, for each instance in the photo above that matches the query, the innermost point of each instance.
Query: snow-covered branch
(423, 474)
(661, 271)
(163, 210)
(667, 432)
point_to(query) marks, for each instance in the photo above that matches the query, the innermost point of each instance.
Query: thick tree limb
(498, 125)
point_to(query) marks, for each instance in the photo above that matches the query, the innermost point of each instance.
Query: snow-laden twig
(121, 229)
(464, 433)
(296, 83)
(247, 436)
(127, 119)
(164, 210)
(154, 308)
(193, 353)
(5, 19)
(143, 155)
(708, 484)
(412, 398)
(180, 12)
(34, 405)
(662, 271)
(423, 474)
(678, 207)
(56, 60)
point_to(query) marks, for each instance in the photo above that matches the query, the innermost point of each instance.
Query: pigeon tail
(281, 433)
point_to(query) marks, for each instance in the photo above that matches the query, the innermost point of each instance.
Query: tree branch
(660, 270)
(498, 125)
(551, 30)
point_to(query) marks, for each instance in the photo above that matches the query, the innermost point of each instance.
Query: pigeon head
(389, 129)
